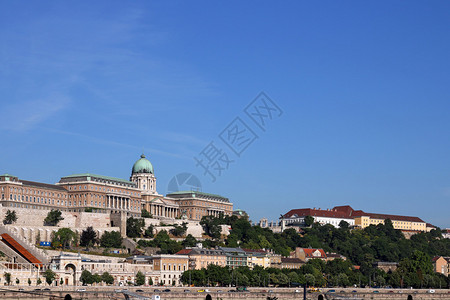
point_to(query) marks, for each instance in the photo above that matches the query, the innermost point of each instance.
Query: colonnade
(163, 211)
(118, 202)
(215, 212)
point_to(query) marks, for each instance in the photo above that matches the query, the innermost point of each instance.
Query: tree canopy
(10, 217)
(88, 237)
(111, 239)
(53, 218)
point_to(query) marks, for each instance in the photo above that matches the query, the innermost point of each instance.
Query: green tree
(96, 278)
(53, 218)
(179, 230)
(39, 281)
(150, 281)
(135, 227)
(343, 280)
(49, 276)
(148, 233)
(310, 279)
(140, 278)
(107, 278)
(86, 277)
(146, 214)
(309, 220)
(10, 217)
(88, 237)
(17, 281)
(111, 239)
(211, 226)
(29, 281)
(189, 241)
(64, 238)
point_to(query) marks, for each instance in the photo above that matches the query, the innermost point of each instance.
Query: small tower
(143, 175)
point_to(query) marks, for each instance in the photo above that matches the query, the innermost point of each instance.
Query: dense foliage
(88, 237)
(162, 241)
(362, 246)
(111, 239)
(53, 218)
(63, 238)
(316, 272)
(10, 217)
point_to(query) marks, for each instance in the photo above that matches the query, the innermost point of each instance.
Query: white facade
(294, 219)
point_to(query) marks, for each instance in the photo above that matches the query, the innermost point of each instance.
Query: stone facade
(115, 198)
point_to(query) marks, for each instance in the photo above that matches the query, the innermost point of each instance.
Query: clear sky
(363, 89)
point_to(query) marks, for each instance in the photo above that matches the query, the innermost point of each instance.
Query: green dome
(143, 165)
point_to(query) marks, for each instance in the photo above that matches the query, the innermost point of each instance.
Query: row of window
(34, 192)
(79, 187)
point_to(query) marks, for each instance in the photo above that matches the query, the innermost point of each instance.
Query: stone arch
(409, 297)
(72, 269)
(320, 297)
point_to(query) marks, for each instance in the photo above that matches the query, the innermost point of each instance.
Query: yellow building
(257, 258)
(171, 267)
(201, 258)
(398, 222)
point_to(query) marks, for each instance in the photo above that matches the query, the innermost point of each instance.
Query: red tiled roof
(316, 212)
(184, 252)
(309, 252)
(346, 212)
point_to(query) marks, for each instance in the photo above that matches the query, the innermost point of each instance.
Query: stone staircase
(36, 252)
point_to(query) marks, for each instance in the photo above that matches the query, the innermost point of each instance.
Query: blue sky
(86, 86)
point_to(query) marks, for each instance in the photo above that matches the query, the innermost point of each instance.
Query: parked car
(431, 291)
(187, 291)
(139, 291)
(167, 291)
(81, 290)
(201, 291)
(46, 289)
(157, 291)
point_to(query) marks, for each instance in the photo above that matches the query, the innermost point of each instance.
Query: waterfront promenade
(10, 293)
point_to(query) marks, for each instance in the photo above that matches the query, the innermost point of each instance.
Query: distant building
(386, 266)
(441, 265)
(257, 258)
(120, 198)
(353, 217)
(446, 233)
(306, 254)
(240, 213)
(201, 258)
(291, 263)
(170, 267)
(333, 256)
(236, 257)
(321, 216)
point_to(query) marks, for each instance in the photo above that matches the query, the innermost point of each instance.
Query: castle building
(119, 197)
(357, 218)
